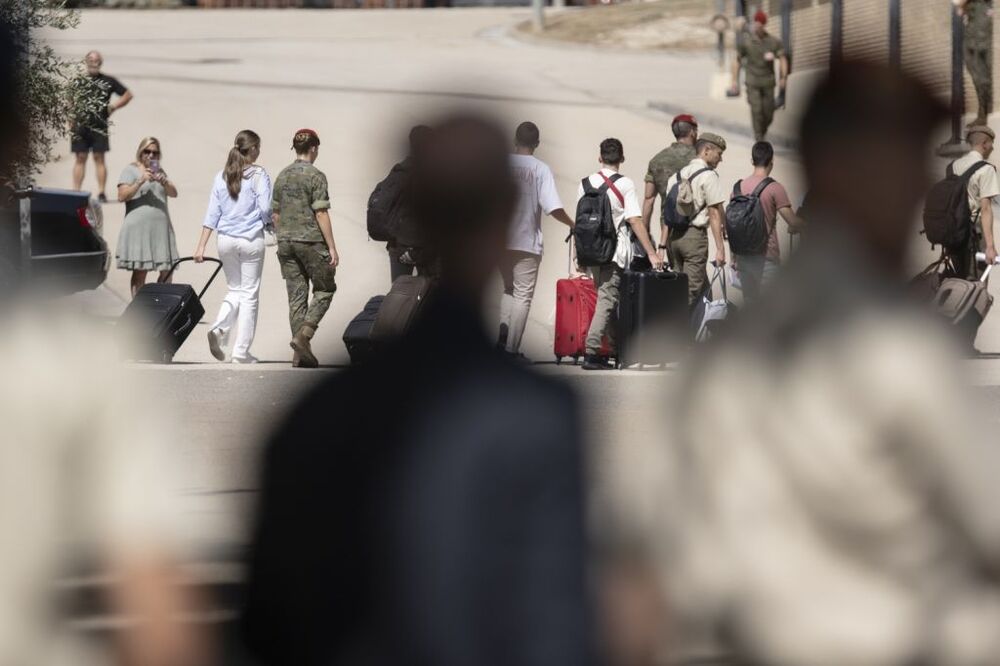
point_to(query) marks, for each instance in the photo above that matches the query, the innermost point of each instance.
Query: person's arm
(122, 101)
(782, 71)
(263, 197)
(734, 85)
(168, 185)
(986, 219)
(715, 216)
(128, 190)
(648, 202)
(326, 228)
(276, 220)
(642, 233)
(561, 215)
(795, 223)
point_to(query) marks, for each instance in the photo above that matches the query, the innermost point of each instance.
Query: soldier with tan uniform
(757, 54)
(978, 42)
(984, 186)
(688, 249)
(306, 249)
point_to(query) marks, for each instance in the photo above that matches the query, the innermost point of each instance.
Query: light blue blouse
(244, 216)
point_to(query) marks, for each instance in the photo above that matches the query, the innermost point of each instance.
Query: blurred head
(462, 196)
(710, 148)
(418, 135)
(148, 150)
(245, 151)
(612, 152)
(760, 22)
(93, 62)
(865, 144)
(305, 143)
(980, 138)
(685, 126)
(762, 156)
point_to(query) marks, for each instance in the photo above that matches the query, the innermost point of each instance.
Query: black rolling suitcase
(358, 334)
(161, 317)
(654, 320)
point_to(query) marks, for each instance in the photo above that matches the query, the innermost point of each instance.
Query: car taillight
(81, 214)
(87, 216)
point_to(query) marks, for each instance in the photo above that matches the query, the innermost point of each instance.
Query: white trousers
(519, 271)
(242, 263)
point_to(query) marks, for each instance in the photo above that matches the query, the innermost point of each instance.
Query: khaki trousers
(689, 255)
(608, 280)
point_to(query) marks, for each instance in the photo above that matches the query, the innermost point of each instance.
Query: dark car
(68, 253)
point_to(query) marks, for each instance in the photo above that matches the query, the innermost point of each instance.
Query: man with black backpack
(975, 210)
(752, 222)
(389, 218)
(608, 227)
(694, 204)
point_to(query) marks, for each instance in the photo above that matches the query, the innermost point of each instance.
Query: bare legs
(139, 279)
(79, 169)
(101, 169)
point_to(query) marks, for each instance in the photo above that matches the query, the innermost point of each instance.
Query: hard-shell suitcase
(162, 316)
(576, 300)
(654, 320)
(358, 334)
(400, 306)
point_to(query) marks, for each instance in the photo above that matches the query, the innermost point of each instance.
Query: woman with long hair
(239, 209)
(146, 242)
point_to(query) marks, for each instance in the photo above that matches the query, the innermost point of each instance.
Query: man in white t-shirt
(627, 216)
(519, 267)
(984, 186)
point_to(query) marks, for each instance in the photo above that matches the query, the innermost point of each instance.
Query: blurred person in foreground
(82, 476)
(441, 521)
(830, 501)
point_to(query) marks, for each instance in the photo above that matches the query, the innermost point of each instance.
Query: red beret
(307, 131)
(685, 118)
(760, 17)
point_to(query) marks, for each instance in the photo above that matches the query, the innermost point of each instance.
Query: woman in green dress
(146, 242)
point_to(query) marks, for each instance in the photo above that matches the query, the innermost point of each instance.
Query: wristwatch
(661, 247)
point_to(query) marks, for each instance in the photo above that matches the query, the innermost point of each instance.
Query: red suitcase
(576, 300)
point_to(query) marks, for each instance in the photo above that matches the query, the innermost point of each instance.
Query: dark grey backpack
(746, 227)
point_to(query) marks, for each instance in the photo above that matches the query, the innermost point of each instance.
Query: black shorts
(86, 140)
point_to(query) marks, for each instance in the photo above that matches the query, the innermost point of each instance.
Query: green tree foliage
(50, 92)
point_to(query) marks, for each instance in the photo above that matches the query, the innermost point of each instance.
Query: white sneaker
(215, 345)
(249, 358)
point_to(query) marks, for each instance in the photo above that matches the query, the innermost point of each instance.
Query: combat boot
(301, 345)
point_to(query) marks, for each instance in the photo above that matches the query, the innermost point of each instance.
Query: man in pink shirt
(757, 270)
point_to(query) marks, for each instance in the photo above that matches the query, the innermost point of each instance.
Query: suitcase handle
(210, 280)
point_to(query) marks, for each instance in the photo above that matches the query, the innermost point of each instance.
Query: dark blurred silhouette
(428, 508)
(832, 495)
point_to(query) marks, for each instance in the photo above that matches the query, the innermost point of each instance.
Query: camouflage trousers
(979, 63)
(761, 109)
(302, 263)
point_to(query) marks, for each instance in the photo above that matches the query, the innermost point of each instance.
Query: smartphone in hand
(154, 166)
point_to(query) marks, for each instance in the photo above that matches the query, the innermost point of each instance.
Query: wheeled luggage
(965, 304)
(358, 334)
(576, 300)
(161, 316)
(399, 307)
(654, 320)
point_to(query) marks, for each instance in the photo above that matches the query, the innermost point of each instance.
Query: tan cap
(713, 138)
(979, 129)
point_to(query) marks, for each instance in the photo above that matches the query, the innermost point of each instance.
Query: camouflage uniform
(300, 191)
(979, 53)
(665, 164)
(758, 56)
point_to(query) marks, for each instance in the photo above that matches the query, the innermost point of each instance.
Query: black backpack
(672, 218)
(947, 216)
(384, 204)
(595, 233)
(746, 227)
